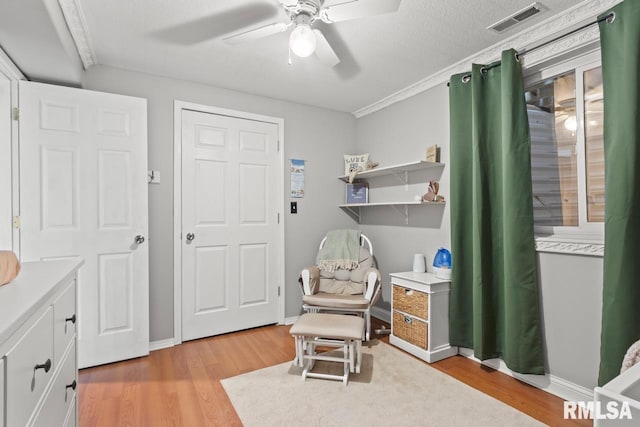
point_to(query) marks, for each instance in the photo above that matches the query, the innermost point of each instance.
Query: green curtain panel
(495, 307)
(620, 42)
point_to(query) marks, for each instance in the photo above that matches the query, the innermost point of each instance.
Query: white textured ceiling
(379, 55)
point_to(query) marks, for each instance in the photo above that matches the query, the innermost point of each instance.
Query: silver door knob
(190, 237)
(139, 239)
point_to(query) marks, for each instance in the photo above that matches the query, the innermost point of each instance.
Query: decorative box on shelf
(357, 192)
(420, 315)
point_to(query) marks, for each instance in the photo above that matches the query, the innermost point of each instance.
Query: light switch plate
(154, 177)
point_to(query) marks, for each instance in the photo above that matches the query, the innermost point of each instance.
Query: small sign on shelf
(433, 154)
(358, 192)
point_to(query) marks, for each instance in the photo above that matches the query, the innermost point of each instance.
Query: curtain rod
(610, 17)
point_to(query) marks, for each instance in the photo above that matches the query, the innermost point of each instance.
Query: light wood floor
(180, 386)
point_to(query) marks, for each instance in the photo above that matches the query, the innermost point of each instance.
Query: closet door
(231, 245)
(83, 193)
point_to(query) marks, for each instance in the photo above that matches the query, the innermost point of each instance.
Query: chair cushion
(325, 325)
(345, 287)
(348, 282)
(342, 275)
(324, 299)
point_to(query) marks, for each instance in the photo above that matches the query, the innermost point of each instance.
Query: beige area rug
(393, 389)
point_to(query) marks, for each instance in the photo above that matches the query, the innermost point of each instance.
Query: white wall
(570, 285)
(317, 135)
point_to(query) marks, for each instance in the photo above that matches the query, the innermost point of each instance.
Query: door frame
(178, 106)
(9, 160)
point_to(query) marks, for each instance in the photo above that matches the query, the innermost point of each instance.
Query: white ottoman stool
(332, 330)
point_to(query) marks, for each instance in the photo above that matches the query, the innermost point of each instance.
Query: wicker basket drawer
(410, 301)
(410, 329)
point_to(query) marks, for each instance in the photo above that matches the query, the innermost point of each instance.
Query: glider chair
(345, 279)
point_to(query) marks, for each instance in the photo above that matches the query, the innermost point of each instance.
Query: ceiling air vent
(516, 18)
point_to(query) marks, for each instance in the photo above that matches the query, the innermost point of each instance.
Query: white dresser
(420, 315)
(38, 371)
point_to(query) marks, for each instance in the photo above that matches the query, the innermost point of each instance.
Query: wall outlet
(294, 207)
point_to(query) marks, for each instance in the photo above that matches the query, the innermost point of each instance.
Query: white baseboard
(549, 383)
(290, 320)
(159, 345)
(382, 314)
(568, 390)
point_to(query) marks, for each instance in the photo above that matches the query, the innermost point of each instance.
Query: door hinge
(278, 217)
(16, 222)
(16, 113)
(278, 145)
(278, 290)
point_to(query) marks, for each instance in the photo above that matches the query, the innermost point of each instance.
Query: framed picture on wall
(358, 192)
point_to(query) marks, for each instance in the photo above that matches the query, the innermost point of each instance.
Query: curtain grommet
(483, 71)
(466, 78)
(610, 18)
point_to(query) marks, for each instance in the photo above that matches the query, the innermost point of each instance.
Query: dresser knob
(71, 319)
(46, 366)
(72, 385)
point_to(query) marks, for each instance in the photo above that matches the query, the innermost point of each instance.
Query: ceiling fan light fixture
(302, 40)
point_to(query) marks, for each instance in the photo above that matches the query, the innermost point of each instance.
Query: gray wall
(317, 135)
(398, 134)
(571, 288)
(570, 285)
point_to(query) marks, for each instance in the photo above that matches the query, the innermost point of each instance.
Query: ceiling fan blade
(324, 51)
(257, 33)
(218, 25)
(357, 9)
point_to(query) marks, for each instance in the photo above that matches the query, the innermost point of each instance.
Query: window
(565, 109)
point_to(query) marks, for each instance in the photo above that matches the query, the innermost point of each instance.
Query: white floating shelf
(395, 169)
(353, 209)
(363, 205)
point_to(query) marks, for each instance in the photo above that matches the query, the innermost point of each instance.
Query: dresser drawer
(72, 416)
(410, 301)
(60, 398)
(64, 320)
(26, 376)
(410, 329)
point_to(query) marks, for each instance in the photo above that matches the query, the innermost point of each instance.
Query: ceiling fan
(304, 39)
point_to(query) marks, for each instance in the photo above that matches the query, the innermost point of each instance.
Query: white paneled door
(230, 244)
(83, 193)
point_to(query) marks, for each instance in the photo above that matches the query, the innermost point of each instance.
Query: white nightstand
(420, 315)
